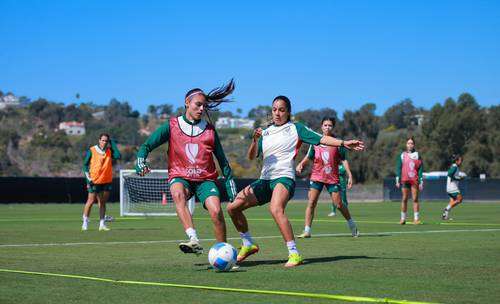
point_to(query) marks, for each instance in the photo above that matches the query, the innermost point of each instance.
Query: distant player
(409, 171)
(192, 145)
(278, 146)
(452, 186)
(98, 170)
(345, 184)
(325, 174)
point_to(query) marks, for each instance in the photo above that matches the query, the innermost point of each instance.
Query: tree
(399, 115)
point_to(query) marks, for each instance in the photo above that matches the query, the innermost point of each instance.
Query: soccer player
(98, 170)
(192, 143)
(345, 184)
(452, 186)
(325, 173)
(278, 145)
(409, 170)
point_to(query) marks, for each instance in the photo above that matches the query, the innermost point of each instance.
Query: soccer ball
(222, 256)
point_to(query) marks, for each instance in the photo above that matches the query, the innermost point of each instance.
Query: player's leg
(245, 199)
(208, 193)
(282, 191)
(416, 204)
(405, 191)
(337, 200)
(313, 195)
(180, 190)
(447, 209)
(101, 200)
(91, 198)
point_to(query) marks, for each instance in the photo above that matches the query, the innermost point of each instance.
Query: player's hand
(142, 167)
(231, 189)
(299, 168)
(397, 185)
(349, 184)
(257, 133)
(421, 186)
(354, 144)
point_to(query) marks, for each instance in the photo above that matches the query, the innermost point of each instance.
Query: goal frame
(123, 212)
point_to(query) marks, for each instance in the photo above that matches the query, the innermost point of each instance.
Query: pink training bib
(190, 157)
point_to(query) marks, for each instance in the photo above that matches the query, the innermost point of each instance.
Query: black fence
(435, 189)
(69, 190)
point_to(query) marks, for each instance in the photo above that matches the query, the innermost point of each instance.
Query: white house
(72, 127)
(9, 100)
(228, 122)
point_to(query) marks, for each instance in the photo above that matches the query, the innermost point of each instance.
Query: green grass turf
(457, 267)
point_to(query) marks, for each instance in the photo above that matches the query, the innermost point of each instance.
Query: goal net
(147, 195)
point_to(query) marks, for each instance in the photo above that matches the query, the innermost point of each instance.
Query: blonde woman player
(278, 145)
(98, 170)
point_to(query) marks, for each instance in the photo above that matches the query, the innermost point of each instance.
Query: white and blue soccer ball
(222, 256)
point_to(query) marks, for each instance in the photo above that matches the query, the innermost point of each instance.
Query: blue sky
(339, 54)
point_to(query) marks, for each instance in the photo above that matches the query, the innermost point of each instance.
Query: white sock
(246, 238)
(415, 215)
(85, 219)
(403, 216)
(101, 223)
(307, 229)
(448, 208)
(191, 233)
(351, 224)
(292, 248)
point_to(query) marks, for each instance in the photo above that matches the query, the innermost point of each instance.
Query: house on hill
(72, 127)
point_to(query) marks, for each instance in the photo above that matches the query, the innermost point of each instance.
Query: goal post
(147, 195)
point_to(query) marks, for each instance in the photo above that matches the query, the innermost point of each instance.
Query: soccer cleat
(402, 222)
(332, 214)
(445, 216)
(246, 251)
(417, 222)
(85, 227)
(304, 235)
(355, 231)
(191, 246)
(294, 259)
(104, 228)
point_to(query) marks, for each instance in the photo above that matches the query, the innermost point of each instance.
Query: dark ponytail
(216, 96)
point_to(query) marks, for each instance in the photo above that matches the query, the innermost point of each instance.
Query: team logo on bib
(191, 152)
(325, 156)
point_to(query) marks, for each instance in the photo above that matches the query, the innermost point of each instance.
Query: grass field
(443, 262)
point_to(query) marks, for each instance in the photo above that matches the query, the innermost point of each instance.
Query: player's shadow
(317, 260)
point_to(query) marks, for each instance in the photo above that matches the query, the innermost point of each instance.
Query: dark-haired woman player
(278, 145)
(192, 142)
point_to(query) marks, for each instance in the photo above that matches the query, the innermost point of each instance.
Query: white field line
(387, 233)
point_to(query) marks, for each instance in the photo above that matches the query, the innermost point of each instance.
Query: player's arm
(399, 164)
(115, 153)
(226, 169)
(86, 166)
(159, 137)
(255, 148)
(309, 136)
(309, 155)
(451, 173)
(421, 173)
(345, 163)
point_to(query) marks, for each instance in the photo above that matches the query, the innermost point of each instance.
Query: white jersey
(453, 179)
(279, 146)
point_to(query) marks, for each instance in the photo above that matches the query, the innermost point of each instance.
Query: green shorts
(96, 188)
(319, 186)
(263, 188)
(454, 195)
(201, 190)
